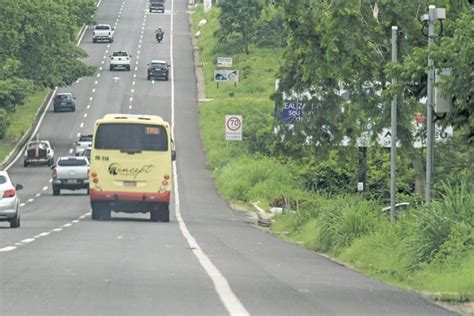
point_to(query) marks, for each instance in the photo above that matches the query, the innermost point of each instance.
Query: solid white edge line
(221, 285)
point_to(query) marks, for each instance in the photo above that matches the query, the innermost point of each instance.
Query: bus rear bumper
(96, 195)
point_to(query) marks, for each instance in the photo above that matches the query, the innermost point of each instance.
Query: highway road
(207, 260)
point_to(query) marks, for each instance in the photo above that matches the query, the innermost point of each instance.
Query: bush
(4, 122)
(249, 179)
(444, 229)
(347, 218)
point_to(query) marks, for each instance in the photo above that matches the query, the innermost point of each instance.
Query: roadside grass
(20, 121)
(426, 249)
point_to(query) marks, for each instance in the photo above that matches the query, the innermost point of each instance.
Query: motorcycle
(159, 35)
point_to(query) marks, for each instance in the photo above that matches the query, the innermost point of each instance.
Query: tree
(337, 47)
(239, 18)
(41, 35)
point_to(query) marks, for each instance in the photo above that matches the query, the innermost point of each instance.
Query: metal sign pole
(393, 149)
(429, 109)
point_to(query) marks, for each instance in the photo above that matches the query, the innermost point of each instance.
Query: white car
(9, 201)
(83, 142)
(120, 60)
(103, 32)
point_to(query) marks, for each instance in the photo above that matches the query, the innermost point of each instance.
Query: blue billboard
(290, 113)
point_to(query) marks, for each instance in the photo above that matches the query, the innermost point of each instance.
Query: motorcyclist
(159, 33)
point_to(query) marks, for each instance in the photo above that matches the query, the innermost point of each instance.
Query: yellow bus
(131, 166)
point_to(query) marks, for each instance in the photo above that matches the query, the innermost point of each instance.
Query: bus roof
(131, 118)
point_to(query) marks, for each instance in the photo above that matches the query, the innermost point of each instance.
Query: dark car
(158, 69)
(64, 101)
(157, 5)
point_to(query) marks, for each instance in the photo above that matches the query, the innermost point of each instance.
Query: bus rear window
(131, 137)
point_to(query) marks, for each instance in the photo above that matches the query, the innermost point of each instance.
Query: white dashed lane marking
(8, 248)
(70, 151)
(43, 234)
(38, 194)
(85, 114)
(82, 125)
(45, 188)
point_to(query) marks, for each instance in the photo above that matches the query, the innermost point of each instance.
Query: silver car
(9, 200)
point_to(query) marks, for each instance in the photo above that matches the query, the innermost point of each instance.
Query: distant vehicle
(70, 173)
(120, 60)
(38, 152)
(157, 5)
(64, 101)
(83, 142)
(131, 167)
(103, 33)
(158, 69)
(87, 153)
(9, 200)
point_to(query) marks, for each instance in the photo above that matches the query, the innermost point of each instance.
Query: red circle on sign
(420, 118)
(233, 126)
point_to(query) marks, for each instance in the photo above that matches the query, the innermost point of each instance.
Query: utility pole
(433, 15)
(429, 108)
(393, 147)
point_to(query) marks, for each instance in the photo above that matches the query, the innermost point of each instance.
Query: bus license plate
(130, 183)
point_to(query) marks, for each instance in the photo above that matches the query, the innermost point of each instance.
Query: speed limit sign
(233, 127)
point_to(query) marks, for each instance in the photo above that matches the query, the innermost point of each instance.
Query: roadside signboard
(224, 62)
(233, 127)
(226, 76)
(291, 112)
(207, 5)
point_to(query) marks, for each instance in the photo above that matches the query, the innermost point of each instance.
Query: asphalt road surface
(207, 260)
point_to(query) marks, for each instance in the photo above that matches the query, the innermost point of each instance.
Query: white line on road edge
(221, 285)
(35, 130)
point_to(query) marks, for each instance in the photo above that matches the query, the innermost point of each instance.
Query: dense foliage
(38, 47)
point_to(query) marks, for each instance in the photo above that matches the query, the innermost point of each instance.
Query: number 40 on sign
(233, 127)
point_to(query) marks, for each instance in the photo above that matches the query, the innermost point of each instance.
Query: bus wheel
(160, 213)
(100, 211)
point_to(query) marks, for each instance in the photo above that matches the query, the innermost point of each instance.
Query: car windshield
(131, 137)
(72, 162)
(158, 65)
(34, 144)
(120, 54)
(63, 97)
(102, 27)
(85, 138)
(3, 180)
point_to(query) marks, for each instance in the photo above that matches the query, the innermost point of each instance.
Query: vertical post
(362, 169)
(429, 108)
(393, 149)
